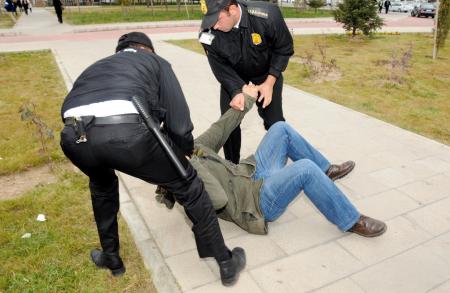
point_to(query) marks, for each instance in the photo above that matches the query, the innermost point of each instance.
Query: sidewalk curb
(67, 80)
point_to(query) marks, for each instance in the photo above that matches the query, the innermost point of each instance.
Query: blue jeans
(282, 183)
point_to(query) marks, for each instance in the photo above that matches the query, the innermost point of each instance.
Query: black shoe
(336, 172)
(230, 269)
(110, 261)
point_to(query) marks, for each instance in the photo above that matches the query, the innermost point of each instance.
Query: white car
(408, 7)
(397, 7)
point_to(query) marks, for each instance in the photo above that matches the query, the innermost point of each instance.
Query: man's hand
(238, 102)
(251, 90)
(266, 89)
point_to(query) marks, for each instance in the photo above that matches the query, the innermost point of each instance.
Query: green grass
(7, 20)
(28, 77)
(116, 14)
(420, 104)
(56, 257)
(290, 12)
(113, 14)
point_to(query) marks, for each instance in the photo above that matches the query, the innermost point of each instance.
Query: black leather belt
(115, 119)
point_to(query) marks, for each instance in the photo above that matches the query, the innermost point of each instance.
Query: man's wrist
(235, 93)
(271, 80)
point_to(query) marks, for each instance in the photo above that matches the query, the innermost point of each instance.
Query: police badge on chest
(256, 39)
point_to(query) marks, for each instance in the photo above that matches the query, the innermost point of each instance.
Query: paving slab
(400, 177)
(307, 270)
(416, 270)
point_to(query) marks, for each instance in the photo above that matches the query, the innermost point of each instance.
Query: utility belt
(80, 124)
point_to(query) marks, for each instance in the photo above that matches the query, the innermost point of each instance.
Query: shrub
(358, 15)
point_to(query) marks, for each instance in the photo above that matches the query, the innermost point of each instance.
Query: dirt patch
(17, 184)
(319, 72)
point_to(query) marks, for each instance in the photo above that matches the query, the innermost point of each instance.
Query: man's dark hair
(136, 38)
(140, 46)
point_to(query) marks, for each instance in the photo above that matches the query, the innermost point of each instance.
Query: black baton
(153, 127)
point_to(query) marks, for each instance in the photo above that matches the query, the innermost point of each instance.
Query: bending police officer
(104, 133)
(246, 42)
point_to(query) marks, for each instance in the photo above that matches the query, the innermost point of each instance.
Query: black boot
(230, 269)
(110, 261)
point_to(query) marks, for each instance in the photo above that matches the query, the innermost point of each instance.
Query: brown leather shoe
(336, 172)
(368, 227)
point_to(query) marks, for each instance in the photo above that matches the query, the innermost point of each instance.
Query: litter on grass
(40, 218)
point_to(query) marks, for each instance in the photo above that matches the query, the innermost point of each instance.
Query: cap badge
(256, 38)
(203, 7)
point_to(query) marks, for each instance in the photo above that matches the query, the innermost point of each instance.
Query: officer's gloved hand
(165, 197)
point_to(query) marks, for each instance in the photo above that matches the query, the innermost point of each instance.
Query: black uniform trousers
(132, 149)
(271, 114)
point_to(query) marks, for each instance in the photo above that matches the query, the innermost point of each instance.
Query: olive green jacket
(233, 192)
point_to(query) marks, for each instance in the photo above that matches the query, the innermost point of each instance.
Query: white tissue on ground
(40, 218)
(26, 235)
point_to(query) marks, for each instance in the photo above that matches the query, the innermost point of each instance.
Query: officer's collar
(240, 16)
(243, 23)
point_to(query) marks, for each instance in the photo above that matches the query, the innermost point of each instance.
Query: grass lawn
(6, 20)
(56, 257)
(420, 104)
(113, 14)
(28, 77)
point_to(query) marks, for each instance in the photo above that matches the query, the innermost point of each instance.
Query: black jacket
(262, 45)
(137, 73)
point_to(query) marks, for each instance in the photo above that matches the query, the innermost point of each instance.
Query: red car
(424, 9)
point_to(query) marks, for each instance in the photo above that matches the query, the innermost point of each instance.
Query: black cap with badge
(134, 37)
(211, 10)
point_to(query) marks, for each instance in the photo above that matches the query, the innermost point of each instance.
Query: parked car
(396, 7)
(401, 7)
(408, 7)
(424, 9)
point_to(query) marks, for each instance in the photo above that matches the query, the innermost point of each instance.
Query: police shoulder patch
(258, 12)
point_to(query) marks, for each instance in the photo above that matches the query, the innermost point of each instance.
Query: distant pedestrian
(380, 6)
(10, 6)
(387, 4)
(18, 4)
(58, 9)
(25, 5)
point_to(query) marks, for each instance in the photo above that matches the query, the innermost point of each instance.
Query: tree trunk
(436, 20)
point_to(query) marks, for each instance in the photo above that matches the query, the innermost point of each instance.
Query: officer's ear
(232, 9)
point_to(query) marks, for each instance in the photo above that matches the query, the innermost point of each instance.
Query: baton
(154, 128)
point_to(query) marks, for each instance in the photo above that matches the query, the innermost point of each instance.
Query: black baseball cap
(211, 10)
(134, 37)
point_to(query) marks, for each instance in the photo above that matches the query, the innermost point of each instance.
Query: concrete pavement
(400, 177)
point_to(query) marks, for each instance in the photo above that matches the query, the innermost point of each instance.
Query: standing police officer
(104, 133)
(246, 42)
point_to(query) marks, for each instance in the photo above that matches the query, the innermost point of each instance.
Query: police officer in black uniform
(246, 42)
(103, 132)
